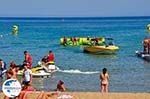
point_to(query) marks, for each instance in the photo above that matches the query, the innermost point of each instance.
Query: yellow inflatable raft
(82, 41)
(15, 29)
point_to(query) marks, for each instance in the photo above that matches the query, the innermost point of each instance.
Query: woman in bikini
(104, 77)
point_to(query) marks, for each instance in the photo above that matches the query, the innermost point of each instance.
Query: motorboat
(101, 49)
(143, 55)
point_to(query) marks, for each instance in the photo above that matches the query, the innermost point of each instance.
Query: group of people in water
(26, 80)
(74, 40)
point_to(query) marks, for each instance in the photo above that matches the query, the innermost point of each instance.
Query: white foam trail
(76, 71)
(1, 36)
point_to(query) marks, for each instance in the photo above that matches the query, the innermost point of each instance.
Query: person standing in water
(28, 59)
(104, 77)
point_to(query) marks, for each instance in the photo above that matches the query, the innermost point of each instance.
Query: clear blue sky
(60, 8)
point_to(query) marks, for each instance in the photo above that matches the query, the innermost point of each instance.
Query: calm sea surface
(80, 71)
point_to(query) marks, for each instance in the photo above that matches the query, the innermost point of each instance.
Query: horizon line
(71, 16)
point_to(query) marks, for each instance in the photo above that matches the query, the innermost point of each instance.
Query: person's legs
(40, 96)
(43, 95)
(106, 88)
(48, 94)
(102, 87)
(21, 95)
(25, 95)
(5, 97)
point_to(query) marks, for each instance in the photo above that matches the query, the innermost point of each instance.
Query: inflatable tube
(82, 41)
(15, 29)
(148, 27)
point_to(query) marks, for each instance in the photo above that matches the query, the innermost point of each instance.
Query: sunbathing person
(26, 89)
(45, 95)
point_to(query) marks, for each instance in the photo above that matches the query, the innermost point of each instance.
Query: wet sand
(93, 95)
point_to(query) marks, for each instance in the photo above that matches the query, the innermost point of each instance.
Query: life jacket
(50, 57)
(29, 61)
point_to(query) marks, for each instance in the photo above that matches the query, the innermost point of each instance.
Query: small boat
(143, 55)
(101, 49)
(41, 70)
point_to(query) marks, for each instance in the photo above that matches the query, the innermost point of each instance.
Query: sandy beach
(93, 95)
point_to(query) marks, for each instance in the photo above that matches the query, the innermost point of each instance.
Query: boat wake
(76, 71)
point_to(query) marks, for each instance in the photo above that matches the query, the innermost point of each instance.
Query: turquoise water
(80, 71)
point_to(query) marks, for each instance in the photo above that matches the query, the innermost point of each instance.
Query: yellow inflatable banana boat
(81, 41)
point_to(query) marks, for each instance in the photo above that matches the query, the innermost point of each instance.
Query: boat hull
(101, 49)
(143, 56)
(37, 75)
(40, 71)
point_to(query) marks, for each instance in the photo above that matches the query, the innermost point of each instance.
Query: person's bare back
(104, 77)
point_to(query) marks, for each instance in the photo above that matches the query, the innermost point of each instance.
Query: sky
(74, 8)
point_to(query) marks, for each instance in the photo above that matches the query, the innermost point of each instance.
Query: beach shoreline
(93, 95)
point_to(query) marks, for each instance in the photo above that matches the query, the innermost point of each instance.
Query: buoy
(148, 27)
(15, 29)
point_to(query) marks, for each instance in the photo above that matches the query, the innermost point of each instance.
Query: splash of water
(76, 71)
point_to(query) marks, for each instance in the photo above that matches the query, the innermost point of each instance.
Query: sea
(80, 71)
